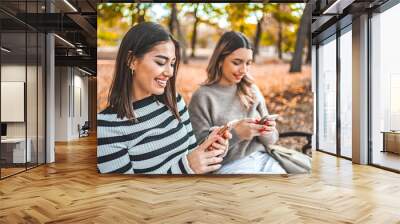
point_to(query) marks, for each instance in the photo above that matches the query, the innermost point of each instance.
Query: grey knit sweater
(215, 105)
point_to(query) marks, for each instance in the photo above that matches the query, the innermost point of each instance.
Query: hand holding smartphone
(269, 117)
(221, 133)
(223, 129)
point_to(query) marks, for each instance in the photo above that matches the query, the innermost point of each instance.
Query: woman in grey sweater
(229, 95)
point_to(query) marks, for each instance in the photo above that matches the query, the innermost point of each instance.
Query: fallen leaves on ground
(286, 94)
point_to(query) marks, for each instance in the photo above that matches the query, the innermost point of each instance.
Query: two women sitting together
(147, 128)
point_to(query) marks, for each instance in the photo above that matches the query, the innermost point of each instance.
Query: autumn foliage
(286, 94)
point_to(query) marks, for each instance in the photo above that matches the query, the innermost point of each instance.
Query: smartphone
(223, 129)
(268, 117)
(220, 133)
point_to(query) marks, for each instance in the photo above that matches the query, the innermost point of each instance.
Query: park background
(280, 34)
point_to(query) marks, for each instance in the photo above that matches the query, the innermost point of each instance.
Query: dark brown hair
(139, 40)
(228, 43)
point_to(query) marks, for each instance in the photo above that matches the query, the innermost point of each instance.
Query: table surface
(391, 132)
(12, 140)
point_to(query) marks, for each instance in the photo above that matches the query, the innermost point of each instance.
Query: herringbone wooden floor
(71, 191)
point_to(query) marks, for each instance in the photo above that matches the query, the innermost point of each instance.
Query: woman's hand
(224, 144)
(202, 160)
(248, 128)
(269, 127)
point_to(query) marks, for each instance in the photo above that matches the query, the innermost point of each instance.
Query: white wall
(12, 73)
(33, 126)
(61, 103)
(314, 91)
(69, 85)
(80, 118)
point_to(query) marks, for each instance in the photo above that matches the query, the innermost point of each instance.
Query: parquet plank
(71, 191)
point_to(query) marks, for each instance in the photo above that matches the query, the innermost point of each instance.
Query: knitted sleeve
(273, 137)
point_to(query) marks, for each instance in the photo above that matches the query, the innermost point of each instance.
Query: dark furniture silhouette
(84, 130)
(307, 135)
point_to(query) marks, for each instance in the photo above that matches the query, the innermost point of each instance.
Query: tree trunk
(174, 24)
(142, 14)
(303, 34)
(279, 42)
(138, 13)
(280, 30)
(194, 34)
(133, 15)
(182, 42)
(309, 49)
(171, 24)
(257, 37)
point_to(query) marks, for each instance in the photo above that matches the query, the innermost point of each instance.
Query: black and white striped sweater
(157, 144)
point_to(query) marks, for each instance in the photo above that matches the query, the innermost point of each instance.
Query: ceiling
(330, 15)
(74, 22)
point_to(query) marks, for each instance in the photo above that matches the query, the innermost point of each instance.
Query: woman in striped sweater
(146, 127)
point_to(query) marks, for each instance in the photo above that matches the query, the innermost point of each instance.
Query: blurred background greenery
(199, 25)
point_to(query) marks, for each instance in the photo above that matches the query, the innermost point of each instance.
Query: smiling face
(153, 70)
(235, 66)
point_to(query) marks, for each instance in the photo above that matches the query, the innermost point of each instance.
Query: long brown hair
(228, 43)
(139, 40)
